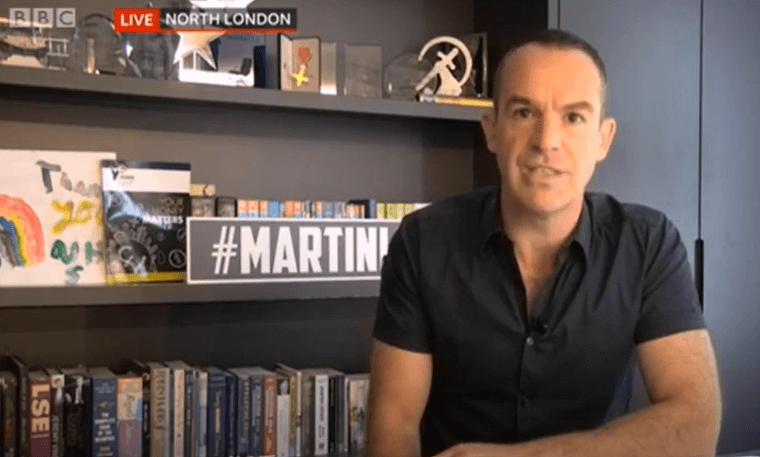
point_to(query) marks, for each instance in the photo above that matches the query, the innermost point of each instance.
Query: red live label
(136, 20)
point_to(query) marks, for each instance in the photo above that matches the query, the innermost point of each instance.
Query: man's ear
(606, 135)
(488, 123)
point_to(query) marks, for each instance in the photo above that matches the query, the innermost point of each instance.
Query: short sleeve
(670, 303)
(401, 319)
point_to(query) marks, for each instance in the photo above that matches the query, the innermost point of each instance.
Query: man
(508, 315)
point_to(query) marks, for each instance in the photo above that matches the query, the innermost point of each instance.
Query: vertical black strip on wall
(699, 246)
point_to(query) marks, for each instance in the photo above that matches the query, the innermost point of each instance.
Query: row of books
(213, 206)
(172, 409)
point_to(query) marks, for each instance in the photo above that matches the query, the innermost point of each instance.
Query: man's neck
(538, 237)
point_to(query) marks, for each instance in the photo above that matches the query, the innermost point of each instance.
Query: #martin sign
(234, 250)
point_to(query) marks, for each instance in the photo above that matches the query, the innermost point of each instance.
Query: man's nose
(547, 133)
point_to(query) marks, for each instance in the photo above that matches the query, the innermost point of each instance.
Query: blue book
(274, 208)
(231, 414)
(217, 412)
(243, 410)
(329, 210)
(257, 408)
(103, 412)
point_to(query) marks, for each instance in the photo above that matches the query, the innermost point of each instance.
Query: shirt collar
(490, 226)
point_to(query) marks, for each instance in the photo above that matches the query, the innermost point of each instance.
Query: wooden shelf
(175, 91)
(26, 297)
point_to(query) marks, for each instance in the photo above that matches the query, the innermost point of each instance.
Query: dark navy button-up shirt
(451, 287)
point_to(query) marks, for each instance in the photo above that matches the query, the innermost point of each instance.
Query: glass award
(97, 48)
(404, 73)
(363, 73)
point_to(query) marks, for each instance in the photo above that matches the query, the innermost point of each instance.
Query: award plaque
(363, 74)
(477, 84)
(328, 66)
(452, 69)
(404, 73)
(300, 64)
(150, 54)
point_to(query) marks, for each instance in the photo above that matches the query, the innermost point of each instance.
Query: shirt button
(530, 341)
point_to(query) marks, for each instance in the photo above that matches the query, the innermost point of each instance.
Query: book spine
(201, 424)
(217, 386)
(146, 413)
(77, 395)
(9, 385)
(22, 397)
(179, 412)
(307, 414)
(283, 425)
(103, 417)
(353, 419)
(345, 413)
(244, 415)
(188, 412)
(299, 414)
(332, 437)
(231, 430)
(160, 412)
(361, 430)
(293, 415)
(270, 416)
(129, 416)
(56, 415)
(321, 405)
(39, 415)
(257, 409)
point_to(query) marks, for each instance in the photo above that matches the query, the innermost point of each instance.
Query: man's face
(547, 136)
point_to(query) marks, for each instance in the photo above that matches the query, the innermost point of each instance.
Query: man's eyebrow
(582, 105)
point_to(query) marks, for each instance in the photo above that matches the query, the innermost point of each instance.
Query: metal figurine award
(445, 66)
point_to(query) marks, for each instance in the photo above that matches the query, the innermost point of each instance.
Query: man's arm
(399, 388)
(684, 418)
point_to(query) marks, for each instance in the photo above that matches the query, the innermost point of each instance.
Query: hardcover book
(217, 412)
(8, 386)
(160, 410)
(77, 395)
(57, 381)
(129, 413)
(103, 413)
(20, 370)
(39, 414)
(145, 205)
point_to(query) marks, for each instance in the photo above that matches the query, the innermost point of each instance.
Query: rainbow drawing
(21, 239)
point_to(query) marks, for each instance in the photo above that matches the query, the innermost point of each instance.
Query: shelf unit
(20, 79)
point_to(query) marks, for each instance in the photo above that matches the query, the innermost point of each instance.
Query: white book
(178, 416)
(283, 416)
(321, 414)
(201, 423)
(296, 399)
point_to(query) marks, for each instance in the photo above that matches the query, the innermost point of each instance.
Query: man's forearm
(665, 429)
(393, 441)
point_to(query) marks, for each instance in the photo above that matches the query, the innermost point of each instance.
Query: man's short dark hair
(553, 38)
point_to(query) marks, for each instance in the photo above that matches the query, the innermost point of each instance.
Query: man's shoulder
(461, 207)
(609, 213)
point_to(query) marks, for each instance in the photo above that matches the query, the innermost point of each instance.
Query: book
(126, 366)
(15, 365)
(217, 412)
(39, 414)
(358, 389)
(57, 380)
(243, 410)
(201, 415)
(283, 416)
(77, 395)
(103, 413)
(269, 409)
(182, 397)
(319, 405)
(231, 430)
(145, 208)
(161, 399)
(129, 414)
(8, 386)
(295, 406)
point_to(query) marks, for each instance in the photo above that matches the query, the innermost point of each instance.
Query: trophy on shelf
(443, 68)
(198, 52)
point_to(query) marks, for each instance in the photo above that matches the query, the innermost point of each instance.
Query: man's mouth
(544, 171)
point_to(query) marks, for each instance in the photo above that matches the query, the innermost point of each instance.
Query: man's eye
(522, 113)
(575, 118)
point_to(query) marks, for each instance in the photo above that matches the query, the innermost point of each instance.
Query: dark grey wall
(249, 153)
(731, 214)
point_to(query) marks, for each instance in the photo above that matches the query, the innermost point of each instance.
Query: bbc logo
(43, 17)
